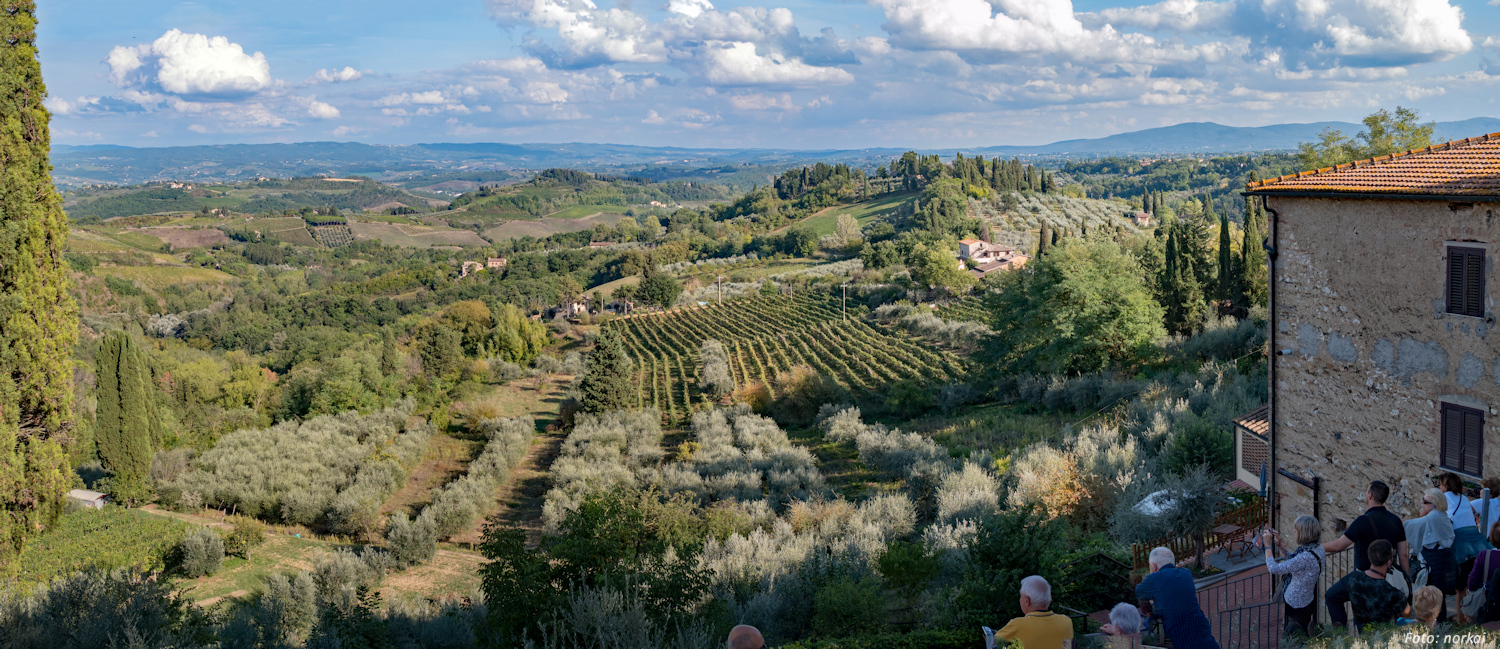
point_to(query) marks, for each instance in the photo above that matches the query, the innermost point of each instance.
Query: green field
(826, 222)
(137, 240)
(581, 211)
(159, 277)
(109, 538)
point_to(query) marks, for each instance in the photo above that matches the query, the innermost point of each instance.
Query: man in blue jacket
(1170, 592)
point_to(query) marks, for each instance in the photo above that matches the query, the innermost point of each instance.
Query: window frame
(1463, 249)
(1444, 410)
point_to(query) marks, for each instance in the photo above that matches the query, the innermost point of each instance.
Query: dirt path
(446, 460)
(520, 500)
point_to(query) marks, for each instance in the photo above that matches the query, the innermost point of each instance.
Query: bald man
(745, 636)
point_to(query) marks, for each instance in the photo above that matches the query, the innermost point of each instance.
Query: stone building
(1382, 365)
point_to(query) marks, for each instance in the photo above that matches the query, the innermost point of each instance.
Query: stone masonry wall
(1360, 299)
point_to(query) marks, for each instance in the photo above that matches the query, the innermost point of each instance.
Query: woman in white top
(1468, 542)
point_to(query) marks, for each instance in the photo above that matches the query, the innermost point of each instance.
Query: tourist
(1431, 535)
(1372, 599)
(1124, 628)
(1038, 627)
(745, 636)
(1485, 566)
(1468, 540)
(1375, 523)
(1172, 596)
(1303, 566)
(1427, 605)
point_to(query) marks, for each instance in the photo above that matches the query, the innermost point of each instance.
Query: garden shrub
(201, 553)
(849, 607)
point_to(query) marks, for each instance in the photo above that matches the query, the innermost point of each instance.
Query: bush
(412, 542)
(101, 609)
(849, 607)
(248, 534)
(715, 378)
(923, 639)
(604, 451)
(1197, 442)
(201, 552)
(454, 508)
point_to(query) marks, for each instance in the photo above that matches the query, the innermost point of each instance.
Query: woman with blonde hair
(1430, 536)
(1426, 605)
(1301, 567)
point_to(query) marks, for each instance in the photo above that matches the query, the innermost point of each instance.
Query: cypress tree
(38, 318)
(127, 430)
(1226, 262)
(1041, 240)
(606, 381)
(1054, 237)
(1252, 259)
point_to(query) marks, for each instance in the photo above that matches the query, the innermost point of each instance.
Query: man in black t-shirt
(1373, 599)
(1375, 524)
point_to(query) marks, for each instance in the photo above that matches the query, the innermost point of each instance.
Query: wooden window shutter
(1462, 444)
(1466, 281)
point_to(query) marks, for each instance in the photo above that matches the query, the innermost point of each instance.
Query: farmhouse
(468, 268)
(1012, 262)
(1382, 364)
(983, 251)
(1142, 219)
(86, 498)
(494, 262)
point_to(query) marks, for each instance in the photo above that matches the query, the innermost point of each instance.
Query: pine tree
(1226, 262)
(38, 318)
(606, 380)
(127, 429)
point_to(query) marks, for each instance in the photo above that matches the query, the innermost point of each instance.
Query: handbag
(1280, 595)
(1474, 602)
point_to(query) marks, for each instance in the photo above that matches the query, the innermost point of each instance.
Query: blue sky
(803, 74)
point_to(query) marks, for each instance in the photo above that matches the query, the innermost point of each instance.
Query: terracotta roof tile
(1468, 167)
(1256, 421)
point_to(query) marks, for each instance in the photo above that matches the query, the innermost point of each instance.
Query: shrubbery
(604, 451)
(745, 457)
(201, 552)
(460, 502)
(331, 470)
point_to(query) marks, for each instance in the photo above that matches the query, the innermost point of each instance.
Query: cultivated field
(159, 277)
(186, 238)
(768, 335)
(826, 221)
(414, 236)
(548, 226)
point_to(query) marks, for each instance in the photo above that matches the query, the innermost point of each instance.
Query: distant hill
(75, 165)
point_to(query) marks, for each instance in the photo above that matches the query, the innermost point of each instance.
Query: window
(1466, 281)
(1463, 440)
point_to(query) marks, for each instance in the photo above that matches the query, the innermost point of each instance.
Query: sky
(801, 74)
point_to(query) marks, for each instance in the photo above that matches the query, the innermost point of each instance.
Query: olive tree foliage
(744, 457)
(890, 452)
(412, 542)
(1083, 307)
(605, 450)
(716, 379)
(96, 608)
(201, 552)
(1164, 504)
(960, 335)
(38, 317)
(1082, 479)
(333, 470)
(460, 502)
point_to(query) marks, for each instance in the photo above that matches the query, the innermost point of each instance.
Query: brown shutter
(1474, 283)
(1473, 453)
(1451, 455)
(1466, 281)
(1456, 280)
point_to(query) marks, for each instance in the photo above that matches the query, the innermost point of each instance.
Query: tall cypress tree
(1252, 258)
(1226, 262)
(38, 318)
(127, 429)
(1041, 240)
(1182, 296)
(606, 381)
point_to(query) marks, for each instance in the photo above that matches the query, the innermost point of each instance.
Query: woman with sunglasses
(1431, 537)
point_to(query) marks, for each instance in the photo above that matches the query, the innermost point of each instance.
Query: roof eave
(1452, 198)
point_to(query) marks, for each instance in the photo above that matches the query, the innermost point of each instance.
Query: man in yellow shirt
(1039, 628)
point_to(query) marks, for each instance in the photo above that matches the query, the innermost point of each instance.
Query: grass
(110, 538)
(415, 236)
(608, 288)
(826, 221)
(581, 211)
(550, 226)
(159, 277)
(138, 240)
(839, 464)
(1000, 428)
(85, 241)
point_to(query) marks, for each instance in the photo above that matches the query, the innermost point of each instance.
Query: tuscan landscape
(607, 396)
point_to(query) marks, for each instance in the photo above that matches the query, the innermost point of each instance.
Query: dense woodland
(861, 443)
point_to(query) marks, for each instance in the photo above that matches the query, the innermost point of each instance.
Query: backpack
(1491, 610)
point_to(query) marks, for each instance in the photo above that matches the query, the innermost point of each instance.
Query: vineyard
(333, 236)
(968, 309)
(765, 336)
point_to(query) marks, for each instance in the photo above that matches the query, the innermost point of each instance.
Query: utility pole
(846, 302)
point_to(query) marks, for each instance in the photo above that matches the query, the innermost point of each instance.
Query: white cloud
(190, 64)
(151, 133)
(336, 76)
(737, 64)
(695, 8)
(589, 35)
(653, 118)
(321, 110)
(60, 106)
(757, 101)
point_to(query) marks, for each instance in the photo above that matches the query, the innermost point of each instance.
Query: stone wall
(1360, 305)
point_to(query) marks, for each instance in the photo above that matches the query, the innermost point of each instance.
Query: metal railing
(1257, 626)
